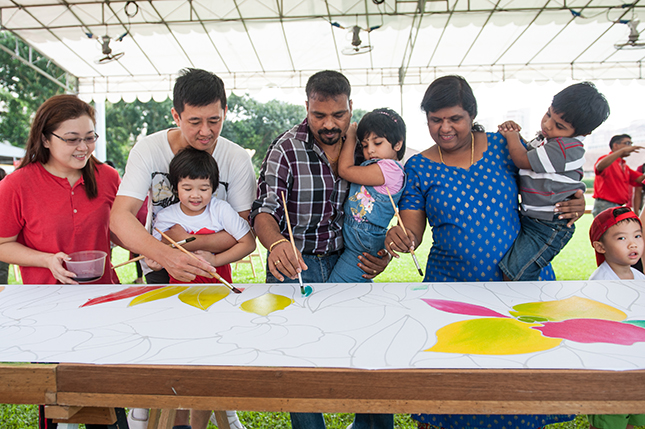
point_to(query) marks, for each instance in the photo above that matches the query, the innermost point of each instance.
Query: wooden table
(325, 389)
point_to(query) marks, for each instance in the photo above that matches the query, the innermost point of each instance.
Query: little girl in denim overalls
(368, 209)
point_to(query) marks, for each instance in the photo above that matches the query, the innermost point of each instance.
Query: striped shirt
(555, 175)
(297, 166)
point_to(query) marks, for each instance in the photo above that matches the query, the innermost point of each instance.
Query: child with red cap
(617, 236)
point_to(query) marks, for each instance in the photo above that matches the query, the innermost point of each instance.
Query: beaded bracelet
(276, 243)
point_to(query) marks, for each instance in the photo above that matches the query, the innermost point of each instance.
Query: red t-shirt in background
(615, 182)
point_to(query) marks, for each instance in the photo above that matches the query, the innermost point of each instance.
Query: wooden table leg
(222, 420)
(167, 419)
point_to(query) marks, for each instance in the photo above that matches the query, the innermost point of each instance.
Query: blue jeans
(600, 206)
(361, 421)
(358, 237)
(319, 269)
(538, 242)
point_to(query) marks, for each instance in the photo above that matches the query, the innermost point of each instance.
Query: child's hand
(351, 131)
(509, 126)
(153, 265)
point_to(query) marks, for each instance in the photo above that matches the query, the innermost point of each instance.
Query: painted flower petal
(565, 309)
(266, 304)
(122, 294)
(594, 331)
(640, 323)
(462, 308)
(164, 292)
(203, 297)
(491, 336)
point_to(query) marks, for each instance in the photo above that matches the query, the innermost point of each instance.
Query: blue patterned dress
(474, 218)
(473, 213)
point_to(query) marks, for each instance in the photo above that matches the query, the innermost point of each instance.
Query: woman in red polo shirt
(58, 200)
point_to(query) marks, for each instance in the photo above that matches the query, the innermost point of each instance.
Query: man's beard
(327, 141)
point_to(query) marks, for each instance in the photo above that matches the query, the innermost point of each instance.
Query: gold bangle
(282, 240)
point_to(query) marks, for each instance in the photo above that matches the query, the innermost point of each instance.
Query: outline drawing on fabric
(587, 325)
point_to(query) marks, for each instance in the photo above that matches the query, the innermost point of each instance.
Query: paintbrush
(140, 257)
(215, 275)
(303, 291)
(398, 217)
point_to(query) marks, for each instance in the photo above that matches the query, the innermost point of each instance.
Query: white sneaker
(233, 421)
(138, 418)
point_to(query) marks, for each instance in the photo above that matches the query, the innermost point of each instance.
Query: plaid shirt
(295, 165)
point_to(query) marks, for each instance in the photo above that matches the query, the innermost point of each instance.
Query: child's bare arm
(370, 175)
(242, 248)
(511, 131)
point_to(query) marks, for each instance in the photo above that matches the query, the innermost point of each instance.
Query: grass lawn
(575, 262)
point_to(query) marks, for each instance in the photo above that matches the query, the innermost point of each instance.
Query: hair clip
(387, 114)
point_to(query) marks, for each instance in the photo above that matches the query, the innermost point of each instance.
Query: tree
(126, 121)
(254, 125)
(22, 89)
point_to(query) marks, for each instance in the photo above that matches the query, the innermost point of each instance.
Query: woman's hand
(572, 209)
(55, 265)
(397, 241)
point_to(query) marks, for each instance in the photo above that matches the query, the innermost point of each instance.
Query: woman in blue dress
(465, 187)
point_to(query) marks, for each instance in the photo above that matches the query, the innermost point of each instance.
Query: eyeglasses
(77, 140)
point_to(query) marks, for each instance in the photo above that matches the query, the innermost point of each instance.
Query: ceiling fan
(632, 40)
(104, 41)
(357, 46)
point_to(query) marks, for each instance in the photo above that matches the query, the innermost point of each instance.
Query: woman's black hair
(193, 164)
(384, 123)
(451, 91)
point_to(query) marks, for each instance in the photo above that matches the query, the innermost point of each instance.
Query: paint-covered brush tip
(420, 272)
(236, 290)
(305, 291)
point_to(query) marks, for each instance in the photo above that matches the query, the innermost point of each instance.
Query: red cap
(603, 222)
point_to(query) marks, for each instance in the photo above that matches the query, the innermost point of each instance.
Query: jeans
(600, 205)
(359, 237)
(319, 269)
(538, 242)
(361, 421)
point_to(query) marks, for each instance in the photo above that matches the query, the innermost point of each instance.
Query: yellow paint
(266, 304)
(156, 294)
(570, 308)
(491, 336)
(203, 297)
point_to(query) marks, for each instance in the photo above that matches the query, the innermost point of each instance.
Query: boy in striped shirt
(550, 172)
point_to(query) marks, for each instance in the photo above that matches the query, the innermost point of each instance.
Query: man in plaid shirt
(303, 164)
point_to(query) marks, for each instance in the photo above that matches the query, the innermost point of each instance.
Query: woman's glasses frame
(77, 140)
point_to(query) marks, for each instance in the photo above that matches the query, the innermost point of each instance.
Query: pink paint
(594, 331)
(122, 294)
(462, 308)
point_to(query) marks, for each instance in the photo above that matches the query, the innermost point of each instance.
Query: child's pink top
(393, 173)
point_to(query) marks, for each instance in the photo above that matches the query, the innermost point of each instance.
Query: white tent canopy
(254, 44)
(9, 151)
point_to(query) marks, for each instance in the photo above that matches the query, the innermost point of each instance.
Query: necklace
(333, 161)
(472, 150)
